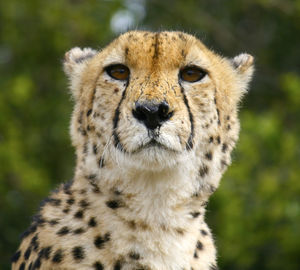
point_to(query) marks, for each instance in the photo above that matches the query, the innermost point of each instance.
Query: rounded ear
(243, 64)
(75, 58)
(74, 63)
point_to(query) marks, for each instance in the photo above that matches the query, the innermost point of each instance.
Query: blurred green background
(255, 214)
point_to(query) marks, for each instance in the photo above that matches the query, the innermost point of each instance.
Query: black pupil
(119, 70)
(191, 72)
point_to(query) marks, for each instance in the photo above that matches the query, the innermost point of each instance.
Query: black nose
(152, 114)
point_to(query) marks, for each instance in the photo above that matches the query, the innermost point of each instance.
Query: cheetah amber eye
(192, 74)
(118, 72)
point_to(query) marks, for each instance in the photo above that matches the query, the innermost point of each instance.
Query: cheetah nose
(151, 114)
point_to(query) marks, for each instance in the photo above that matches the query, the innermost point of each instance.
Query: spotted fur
(134, 204)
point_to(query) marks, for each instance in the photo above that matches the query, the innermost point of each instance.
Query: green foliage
(255, 214)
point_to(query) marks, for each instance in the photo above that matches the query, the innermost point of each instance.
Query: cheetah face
(152, 100)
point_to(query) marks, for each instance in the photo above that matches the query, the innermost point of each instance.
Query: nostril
(139, 112)
(163, 111)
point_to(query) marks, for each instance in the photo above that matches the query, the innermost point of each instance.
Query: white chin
(150, 158)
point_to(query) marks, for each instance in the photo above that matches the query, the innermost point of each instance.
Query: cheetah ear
(74, 63)
(75, 58)
(243, 64)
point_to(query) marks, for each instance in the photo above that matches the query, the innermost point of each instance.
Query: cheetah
(154, 123)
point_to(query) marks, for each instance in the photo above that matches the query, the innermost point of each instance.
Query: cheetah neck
(166, 198)
(158, 212)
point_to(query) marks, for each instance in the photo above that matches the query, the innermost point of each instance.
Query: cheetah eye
(192, 74)
(118, 72)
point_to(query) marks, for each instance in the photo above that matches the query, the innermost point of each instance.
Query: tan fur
(133, 206)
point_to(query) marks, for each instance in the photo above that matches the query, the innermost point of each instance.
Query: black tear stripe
(189, 144)
(116, 119)
(217, 109)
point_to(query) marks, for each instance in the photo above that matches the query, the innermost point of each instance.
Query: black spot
(79, 214)
(70, 201)
(85, 148)
(54, 202)
(218, 113)
(92, 222)
(101, 162)
(95, 149)
(22, 266)
(208, 156)
(117, 192)
(98, 266)
(218, 139)
(199, 245)
(67, 187)
(45, 252)
(180, 231)
(204, 204)
(35, 243)
(195, 214)
(211, 139)
(89, 112)
(212, 188)
(203, 171)
(101, 240)
(228, 127)
(32, 229)
(53, 222)
(181, 36)
(224, 147)
(133, 255)
(126, 51)
(91, 176)
(223, 164)
(37, 264)
(78, 253)
(228, 117)
(96, 188)
(63, 231)
(203, 232)
(213, 267)
(39, 220)
(78, 231)
(16, 256)
(215, 100)
(114, 204)
(82, 131)
(195, 255)
(27, 253)
(117, 265)
(66, 210)
(80, 118)
(58, 256)
(30, 266)
(84, 203)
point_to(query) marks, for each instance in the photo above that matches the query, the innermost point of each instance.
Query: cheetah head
(154, 101)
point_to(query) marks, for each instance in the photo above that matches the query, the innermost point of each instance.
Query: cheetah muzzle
(154, 123)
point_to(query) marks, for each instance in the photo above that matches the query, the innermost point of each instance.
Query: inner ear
(242, 62)
(76, 57)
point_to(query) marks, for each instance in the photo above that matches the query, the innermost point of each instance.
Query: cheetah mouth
(153, 144)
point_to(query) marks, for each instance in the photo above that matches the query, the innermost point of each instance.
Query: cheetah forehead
(150, 50)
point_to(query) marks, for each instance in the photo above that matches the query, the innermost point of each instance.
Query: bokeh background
(255, 214)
